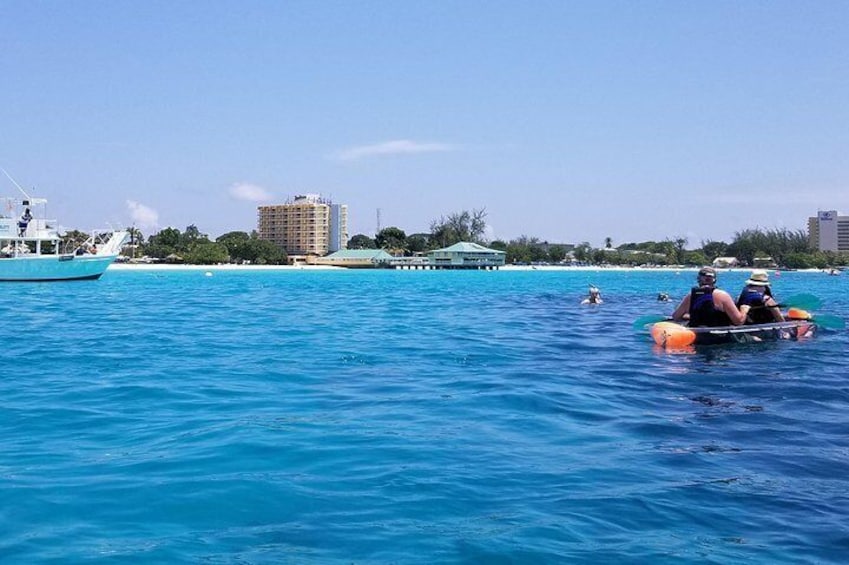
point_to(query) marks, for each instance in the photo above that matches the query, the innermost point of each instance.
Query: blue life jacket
(759, 313)
(702, 310)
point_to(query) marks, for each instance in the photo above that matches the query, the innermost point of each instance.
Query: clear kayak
(672, 335)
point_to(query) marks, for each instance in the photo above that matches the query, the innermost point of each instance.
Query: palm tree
(608, 242)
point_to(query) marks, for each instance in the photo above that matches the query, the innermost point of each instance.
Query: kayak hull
(675, 336)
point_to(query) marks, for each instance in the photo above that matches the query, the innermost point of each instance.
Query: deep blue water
(411, 417)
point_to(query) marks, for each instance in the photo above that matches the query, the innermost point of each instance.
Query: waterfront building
(354, 258)
(466, 255)
(307, 225)
(726, 262)
(829, 231)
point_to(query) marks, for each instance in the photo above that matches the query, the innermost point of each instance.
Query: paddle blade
(643, 321)
(803, 301)
(829, 322)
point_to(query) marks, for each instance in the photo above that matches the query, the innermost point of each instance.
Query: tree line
(193, 247)
(781, 247)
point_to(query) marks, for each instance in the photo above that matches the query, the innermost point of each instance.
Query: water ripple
(393, 417)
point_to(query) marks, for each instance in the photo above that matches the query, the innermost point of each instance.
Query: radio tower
(377, 231)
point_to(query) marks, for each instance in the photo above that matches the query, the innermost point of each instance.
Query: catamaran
(31, 248)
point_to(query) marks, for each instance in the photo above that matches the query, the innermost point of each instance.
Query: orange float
(672, 336)
(798, 314)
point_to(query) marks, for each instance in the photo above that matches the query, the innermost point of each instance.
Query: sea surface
(377, 417)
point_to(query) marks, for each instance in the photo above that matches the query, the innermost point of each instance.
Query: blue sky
(567, 121)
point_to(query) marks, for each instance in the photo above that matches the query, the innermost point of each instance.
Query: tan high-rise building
(308, 225)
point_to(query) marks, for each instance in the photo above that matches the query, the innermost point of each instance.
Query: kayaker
(707, 305)
(594, 296)
(756, 300)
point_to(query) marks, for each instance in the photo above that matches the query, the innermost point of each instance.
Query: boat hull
(674, 336)
(49, 268)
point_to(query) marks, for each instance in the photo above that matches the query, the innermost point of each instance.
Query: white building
(829, 231)
(338, 228)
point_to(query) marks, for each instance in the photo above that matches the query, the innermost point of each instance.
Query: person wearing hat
(707, 305)
(756, 300)
(594, 296)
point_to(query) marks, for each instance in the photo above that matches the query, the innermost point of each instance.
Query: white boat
(31, 248)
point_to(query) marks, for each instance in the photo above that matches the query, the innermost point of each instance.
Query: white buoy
(208, 273)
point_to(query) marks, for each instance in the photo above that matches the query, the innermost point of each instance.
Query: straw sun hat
(759, 277)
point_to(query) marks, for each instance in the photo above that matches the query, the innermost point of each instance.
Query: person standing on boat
(24, 222)
(707, 305)
(757, 302)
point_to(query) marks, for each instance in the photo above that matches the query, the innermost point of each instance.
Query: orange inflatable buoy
(672, 336)
(798, 314)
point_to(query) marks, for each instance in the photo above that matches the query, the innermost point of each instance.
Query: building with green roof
(355, 258)
(466, 255)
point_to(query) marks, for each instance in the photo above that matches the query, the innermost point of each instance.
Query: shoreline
(509, 268)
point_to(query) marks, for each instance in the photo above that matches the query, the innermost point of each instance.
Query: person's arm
(724, 302)
(682, 310)
(773, 307)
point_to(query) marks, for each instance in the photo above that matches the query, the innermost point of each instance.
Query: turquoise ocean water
(411, 417)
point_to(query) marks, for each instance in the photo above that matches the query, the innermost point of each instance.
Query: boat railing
(39, 228)
(102, 243)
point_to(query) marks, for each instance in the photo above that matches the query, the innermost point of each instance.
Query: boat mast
(8, 176)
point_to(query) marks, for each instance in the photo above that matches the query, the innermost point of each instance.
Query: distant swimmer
(663, 297)
(594, 296)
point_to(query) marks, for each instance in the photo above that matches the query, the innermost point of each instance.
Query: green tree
(459, 226)
(608, 242)
(598, 256)
(237, 243)
(696, 258)
(263, 252)
(416, 243)
(391, 238)
(556, 253)
(164, 243)
(714, 249)
(799, 261)
(777, 243)
(233, 239)
(361, 241)
(136, 241)
(206, 253)
(582, 252)
(191, 237)
(518, 253)
(168, 237)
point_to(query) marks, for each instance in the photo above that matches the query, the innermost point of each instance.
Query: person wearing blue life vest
(756, 300)
(707, 305)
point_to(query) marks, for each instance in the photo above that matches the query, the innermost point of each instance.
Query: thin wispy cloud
(144, 217)
(249, 192)
(393, 148)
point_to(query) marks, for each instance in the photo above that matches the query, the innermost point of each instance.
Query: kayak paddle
(648, 320)
(803, 301)
(828, 321)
